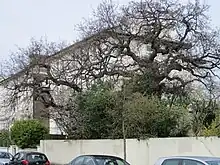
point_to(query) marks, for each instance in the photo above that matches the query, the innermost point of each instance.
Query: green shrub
(5, 138)
(28, 133)
(212, 130)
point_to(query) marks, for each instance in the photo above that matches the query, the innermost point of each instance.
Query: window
(214, 162)
(36, 157)
(109, 161)
(192, 162)
(171, 162)
(120, 162)
(77, 161)
(88, 161)
(5, 155)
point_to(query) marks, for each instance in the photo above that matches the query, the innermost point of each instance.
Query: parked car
(29, 158)
(5, 157)
(188, 160)
(98, 160)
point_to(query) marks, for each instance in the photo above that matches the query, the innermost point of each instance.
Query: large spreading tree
(165, 44)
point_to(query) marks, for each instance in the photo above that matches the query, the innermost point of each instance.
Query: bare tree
(25, 84)
(163, 38)
(170, 41)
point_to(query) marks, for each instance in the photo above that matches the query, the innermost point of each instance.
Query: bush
(152, 117)
(212, 130)
(95, 105)
(5, 138)
(28, 133)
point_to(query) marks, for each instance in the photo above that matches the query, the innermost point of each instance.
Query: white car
(188, 160)
(5, 158)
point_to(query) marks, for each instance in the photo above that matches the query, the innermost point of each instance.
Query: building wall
(24, 107)
(54, 129)
(66, 66)
(143, 152)
(11, 110)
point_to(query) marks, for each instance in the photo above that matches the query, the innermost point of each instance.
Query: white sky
(23, 19)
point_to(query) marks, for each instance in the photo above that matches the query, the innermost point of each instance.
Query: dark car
(29, 158)
(98, 160)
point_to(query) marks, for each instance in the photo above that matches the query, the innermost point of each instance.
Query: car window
(191, 162)
(88, 161)
(5, 155)
(119, 162)
(214, 162)
(36, 157)
(171, 162)
(77, 161)
(109, 161)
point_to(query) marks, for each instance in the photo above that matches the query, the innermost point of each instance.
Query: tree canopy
(153, 54)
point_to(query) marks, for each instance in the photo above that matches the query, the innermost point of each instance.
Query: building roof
(49, 58)
(62, 52)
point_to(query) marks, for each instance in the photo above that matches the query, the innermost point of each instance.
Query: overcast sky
(23, 19)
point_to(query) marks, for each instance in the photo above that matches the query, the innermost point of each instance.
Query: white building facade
(73, 65)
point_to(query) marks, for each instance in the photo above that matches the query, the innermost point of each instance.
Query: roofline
(16, 75)
(51, 57)
(77, 44)
(59, 53)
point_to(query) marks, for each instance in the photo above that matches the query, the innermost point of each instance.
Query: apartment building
(69, 67)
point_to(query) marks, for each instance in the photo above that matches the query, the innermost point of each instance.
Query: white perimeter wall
(143, 152)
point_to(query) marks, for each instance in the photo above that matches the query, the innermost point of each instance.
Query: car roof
(200, 158)
(30, 152)
(104, 156)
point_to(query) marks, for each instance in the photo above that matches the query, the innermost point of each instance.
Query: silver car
(5, 158)
(188, 160)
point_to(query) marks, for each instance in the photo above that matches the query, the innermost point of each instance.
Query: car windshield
(4, 155)
(213, 162)
(36, 157)
(110, 161)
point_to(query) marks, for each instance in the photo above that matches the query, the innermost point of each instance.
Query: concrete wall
(13, 149)
(143, 152)
(4, 149)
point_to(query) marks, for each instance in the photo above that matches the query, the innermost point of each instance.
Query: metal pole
(123, 126)
(124, 140)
